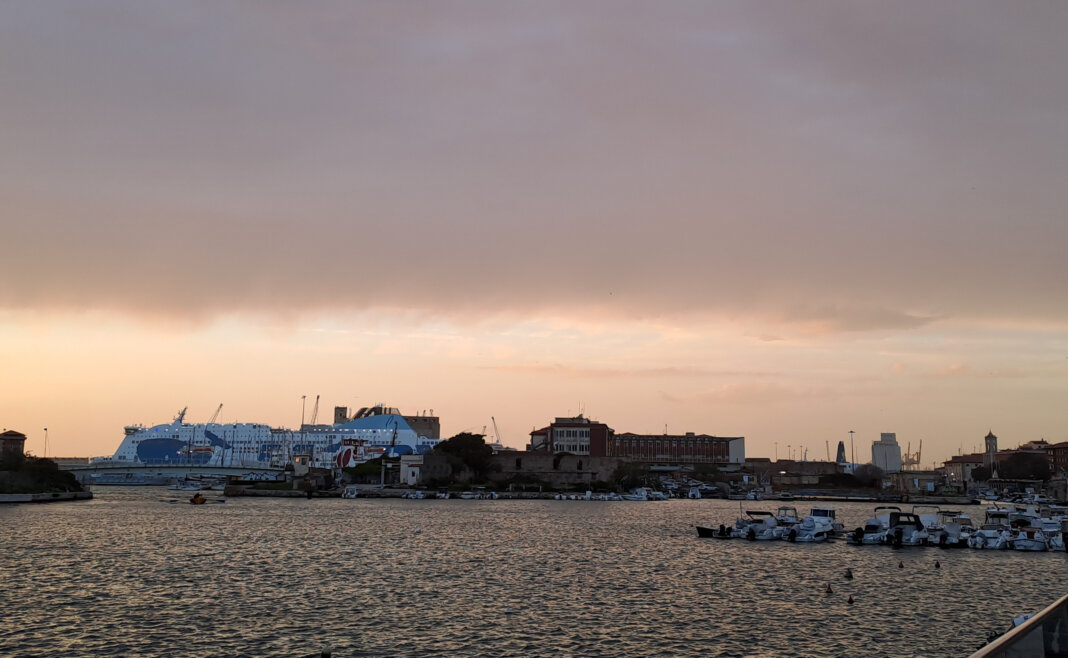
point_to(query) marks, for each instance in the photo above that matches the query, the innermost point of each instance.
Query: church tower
(991, 451)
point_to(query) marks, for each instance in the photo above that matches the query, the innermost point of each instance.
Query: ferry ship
(370, 433)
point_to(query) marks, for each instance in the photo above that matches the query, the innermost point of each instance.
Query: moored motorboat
(820, 525)
(874, 529)
(720, 532)
(906, 529)
(757, 526)
(1029, 538)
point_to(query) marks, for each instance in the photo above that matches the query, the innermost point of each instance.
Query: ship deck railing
(1045, 634)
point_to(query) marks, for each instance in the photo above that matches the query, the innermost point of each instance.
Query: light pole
(852, 453)
(776, 451)
(302, 399)
(46, 442)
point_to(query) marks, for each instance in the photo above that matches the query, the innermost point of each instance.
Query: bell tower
(991, 450)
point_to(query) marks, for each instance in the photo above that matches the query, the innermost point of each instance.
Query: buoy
(900, 565)
(829, 590)
(849, 573)
(938, 565)
(325, 653)
(850, 600)
(418, 530)
(507, 611)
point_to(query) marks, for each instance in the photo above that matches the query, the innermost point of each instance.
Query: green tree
(1025, 466)
(868, 475)
(630, 474)
(980, 474)
(469, 450)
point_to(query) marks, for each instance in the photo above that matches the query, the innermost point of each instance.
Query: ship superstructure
(371, 433)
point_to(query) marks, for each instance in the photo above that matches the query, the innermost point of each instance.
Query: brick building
(578, 435)
(1057, 454)
(689, 448)
(584, 437)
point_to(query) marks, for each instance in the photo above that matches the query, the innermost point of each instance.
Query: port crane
(315, 411)
(215, 415)
(496, 434)
(911, 459)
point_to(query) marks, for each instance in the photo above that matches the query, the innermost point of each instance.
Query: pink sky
(778, 220)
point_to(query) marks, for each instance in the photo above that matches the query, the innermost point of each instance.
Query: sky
(778, 220)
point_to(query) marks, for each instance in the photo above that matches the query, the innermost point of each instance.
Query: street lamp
(852, 453)
(46, 442)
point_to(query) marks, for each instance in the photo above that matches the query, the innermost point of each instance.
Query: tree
(1024, 466)
(629, 475)
(868, 475)
(980, 474)
(471, 451)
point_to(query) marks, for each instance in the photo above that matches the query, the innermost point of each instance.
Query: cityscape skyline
(782, 222)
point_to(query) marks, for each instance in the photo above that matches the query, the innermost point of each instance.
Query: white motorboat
(991, 536)
(953, 530)
(757, 526)
(787, 515)
(1029, 538)
(1055, 530)
(874, 529)
(810, 530)
(186, 485)
(906, 529)
(818, 526)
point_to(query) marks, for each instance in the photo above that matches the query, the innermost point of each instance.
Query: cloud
(612, 373)
(832, 171)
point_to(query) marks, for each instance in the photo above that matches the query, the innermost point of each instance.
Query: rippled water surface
(127, 574)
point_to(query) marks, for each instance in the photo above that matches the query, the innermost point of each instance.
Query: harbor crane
(909, 458)
(496, 434)
(215, 415)
(315, 411)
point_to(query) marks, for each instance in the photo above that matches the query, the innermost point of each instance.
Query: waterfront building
(959, 468)
(12, 443)
(581, 436)
(688, 448)
(886, 453)
(577, 435)
(990, 456)
(1057, 454)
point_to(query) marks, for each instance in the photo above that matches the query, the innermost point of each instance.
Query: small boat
(906, 529)
(351, 491)
(186, 485)
(991, 536)
(953, 531)
(1029, 538)
(757, 526)
(874, 529)
(694, 493)
(198, 499)
(819, 526)
(722, 532)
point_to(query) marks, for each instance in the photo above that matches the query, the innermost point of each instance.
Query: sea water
(128, 574)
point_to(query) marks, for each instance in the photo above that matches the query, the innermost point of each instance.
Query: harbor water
(128, 574)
